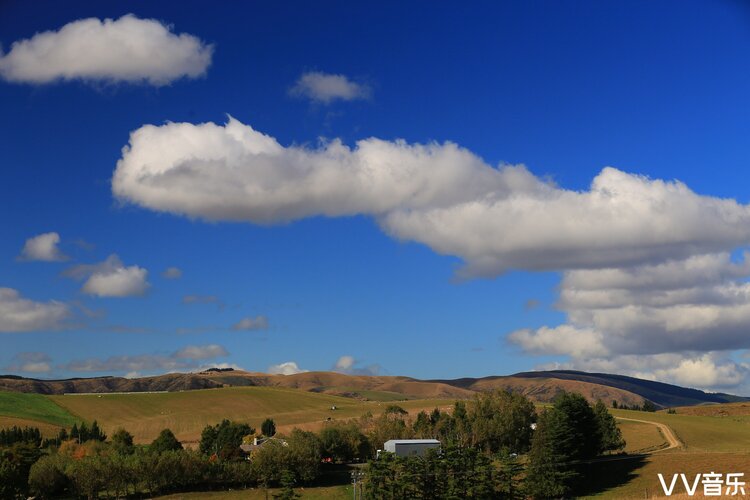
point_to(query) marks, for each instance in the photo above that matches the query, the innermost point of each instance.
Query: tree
(648, 406)
(122, 442)
(47, 476)
(550, 473)
(268, 428)
(501, 420)
(166, 441)
(287, 487)
(610, 435)
(224, 439)
(304, 454)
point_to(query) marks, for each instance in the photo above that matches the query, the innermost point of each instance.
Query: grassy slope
(34, 407)
(640, 437)
(186, 413)
(718, 444)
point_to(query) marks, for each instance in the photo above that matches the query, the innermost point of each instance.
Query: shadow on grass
(600, 476)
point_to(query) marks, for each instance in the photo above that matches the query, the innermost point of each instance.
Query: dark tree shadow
(602, 475)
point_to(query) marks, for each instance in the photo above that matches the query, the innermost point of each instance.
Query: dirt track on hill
(672, 439)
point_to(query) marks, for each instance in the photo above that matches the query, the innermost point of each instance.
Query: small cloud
(203, 299)
(172, 273)
(111, 278)
(531, 304)
(127, 49)
(247, 324)
(133, 375)
(326, 88)
(347, 364)
(43, 247)
(287, 368)
(344, 363)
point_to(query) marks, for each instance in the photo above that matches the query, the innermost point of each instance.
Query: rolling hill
(541, 386)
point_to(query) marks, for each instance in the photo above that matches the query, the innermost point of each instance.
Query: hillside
(540, 386)
(662, 394)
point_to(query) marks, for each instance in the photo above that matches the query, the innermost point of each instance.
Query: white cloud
(43, 247)
(18, 314)
(674, 321)
(287, 368)
(201, 352)
(186, 358)
(128, 49)
(348, 364)
(172, 273)
(111, 278)
(31, 362)
(249, 323)
(495, 219)
(326, 88)
(563, 339)
(344, 363)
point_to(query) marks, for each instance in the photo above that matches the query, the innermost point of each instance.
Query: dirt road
(672, 439)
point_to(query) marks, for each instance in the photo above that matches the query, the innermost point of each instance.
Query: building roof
(413, 441)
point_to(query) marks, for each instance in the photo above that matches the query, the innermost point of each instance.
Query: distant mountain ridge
(540, 386)
(659, 392)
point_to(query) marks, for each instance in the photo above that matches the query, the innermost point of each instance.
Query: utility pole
(356, 475)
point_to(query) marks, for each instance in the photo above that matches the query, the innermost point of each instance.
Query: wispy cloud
(326, 88)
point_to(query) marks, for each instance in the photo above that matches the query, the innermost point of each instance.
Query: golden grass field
(187, 413)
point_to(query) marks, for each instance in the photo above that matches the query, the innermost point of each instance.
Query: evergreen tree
(166, 441)
(550, 473)
(268, 427)
(287, 487)
(610, 435)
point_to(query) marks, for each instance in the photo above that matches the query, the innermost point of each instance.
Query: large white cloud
(43, 247)
(18, 314)
(127, 49)
(111, 278)
(326, 88)
(645, 314)
(442, 195)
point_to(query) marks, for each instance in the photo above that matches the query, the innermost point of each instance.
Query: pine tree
(609, 434)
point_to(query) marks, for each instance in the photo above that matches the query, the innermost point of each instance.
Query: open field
(34, 407)
(641, 437)
(699, 433)
(710, 444)
(187, 413)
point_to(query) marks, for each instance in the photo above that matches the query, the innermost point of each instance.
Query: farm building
(411, 447)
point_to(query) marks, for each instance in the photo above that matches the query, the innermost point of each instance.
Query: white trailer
(411, 447)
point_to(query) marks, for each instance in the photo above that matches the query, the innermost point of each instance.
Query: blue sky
(473, 281)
